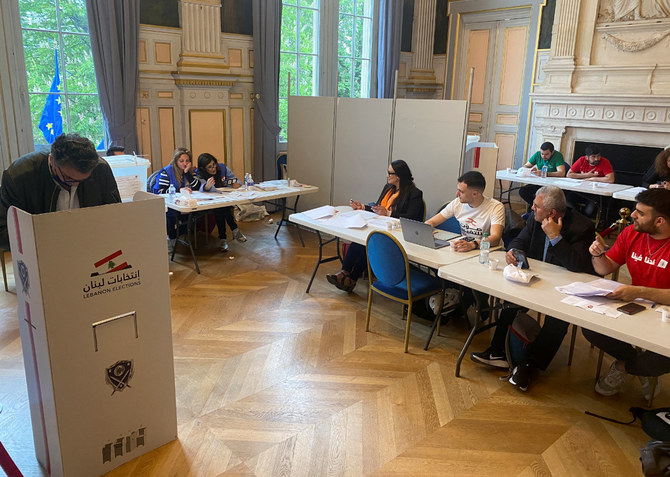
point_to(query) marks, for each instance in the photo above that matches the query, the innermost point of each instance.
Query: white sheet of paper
(567, 182)
(349, 221)
(196, 194)
(598, 304)
(320, 212)
(597, 287)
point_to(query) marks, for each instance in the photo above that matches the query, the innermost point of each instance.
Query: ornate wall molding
(624, 45)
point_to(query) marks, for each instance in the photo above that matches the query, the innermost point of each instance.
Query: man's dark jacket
(571, 252)
(27, 184)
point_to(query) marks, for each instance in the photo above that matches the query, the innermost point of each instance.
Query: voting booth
(94, 315)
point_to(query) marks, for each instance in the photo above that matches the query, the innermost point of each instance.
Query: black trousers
(546, 345)
(355, 261)
(223, 216)
(638, 362)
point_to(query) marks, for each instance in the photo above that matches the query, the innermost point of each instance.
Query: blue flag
(51, 122)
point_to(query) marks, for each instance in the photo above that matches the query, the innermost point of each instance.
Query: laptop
(421, 233)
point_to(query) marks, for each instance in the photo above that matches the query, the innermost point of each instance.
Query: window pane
(345, 36)
(307, 75)
(289, 2)
(289, 27)
(308, 27)
(344, 80)
(347, 6)
(37, 102)
(79, 69)
(86, 117)
(283, 118)
(38, 14)
(73, 16)
(38, 48)
(364, 7)
(287, 64)
(309, 3)
(363, 37)
(361, 87)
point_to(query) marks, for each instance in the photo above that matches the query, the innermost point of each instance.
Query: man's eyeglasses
(70, 180)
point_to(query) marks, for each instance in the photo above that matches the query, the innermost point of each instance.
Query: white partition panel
(310, 146)
(429, 136)
(362, 134)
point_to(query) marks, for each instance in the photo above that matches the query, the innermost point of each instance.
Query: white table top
(644, 329)
(578, 185)
(241, 196)
(416, 253)
(628, 194)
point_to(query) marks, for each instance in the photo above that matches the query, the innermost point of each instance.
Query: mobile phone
(372, 204)
(631, 308)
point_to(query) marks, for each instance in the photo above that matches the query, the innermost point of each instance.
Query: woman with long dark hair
(399, 198)
(658, 175)
(211, 175)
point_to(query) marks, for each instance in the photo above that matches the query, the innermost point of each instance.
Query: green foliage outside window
(62, 25)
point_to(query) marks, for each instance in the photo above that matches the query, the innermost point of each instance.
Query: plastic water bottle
(172, 192)
(246, 181)
(484, 247)
(249, 179)
(544, 171)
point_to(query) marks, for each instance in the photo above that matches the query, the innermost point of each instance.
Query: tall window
(327, 49)
(59, 29)
(354, 48)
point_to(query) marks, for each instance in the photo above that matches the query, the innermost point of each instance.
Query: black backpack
(521, 333)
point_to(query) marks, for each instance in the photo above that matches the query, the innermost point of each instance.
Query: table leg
(477, 328)
(324, 260)
(190, 229)
(284, 220)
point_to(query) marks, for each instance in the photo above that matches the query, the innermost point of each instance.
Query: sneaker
(239, 236)
(521, 376)
(451, 297)
(170, 244)
(646, 387)
(223, 245)
(611, 383)
(490, 357)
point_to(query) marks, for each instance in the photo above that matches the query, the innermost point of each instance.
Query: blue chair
(450, 225)
(392, 277)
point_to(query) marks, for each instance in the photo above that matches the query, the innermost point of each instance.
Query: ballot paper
(320, 212)
(598, 287)
(349, 221)
(601, 305)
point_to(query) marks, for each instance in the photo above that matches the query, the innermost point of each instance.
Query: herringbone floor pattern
(273, 381)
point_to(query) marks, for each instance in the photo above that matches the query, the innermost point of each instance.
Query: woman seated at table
(212, 175)
(178, 173)
(658, 175)
(399, 198)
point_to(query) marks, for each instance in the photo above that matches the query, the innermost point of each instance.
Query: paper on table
(320, 212)
(381, 222)
(598, 287)
(597, 304)
(349, 221)
(205, 195)
(567, 182)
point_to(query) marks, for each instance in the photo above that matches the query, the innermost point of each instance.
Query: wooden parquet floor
(273, 381)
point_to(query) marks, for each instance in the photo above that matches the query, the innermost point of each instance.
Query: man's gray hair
(554, 198)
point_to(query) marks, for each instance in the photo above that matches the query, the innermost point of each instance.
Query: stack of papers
(591, 296)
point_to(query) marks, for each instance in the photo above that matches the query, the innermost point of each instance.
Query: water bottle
(544, 171)
(172, 192)
(484, 247)
(246, 181)
(249, 179)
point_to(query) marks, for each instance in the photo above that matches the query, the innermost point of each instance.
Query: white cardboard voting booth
(94, 311)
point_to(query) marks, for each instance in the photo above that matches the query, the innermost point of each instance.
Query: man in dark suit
(554, 234)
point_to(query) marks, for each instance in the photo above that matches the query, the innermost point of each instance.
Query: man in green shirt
(555, 168)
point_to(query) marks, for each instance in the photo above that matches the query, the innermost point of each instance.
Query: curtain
(266, 36)
(388, 51)
(114, 28)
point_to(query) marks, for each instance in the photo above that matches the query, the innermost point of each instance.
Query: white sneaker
(611, 383)
(170, 244)
(646, 386)
(451, 297)
(239, 236)
(223, 245)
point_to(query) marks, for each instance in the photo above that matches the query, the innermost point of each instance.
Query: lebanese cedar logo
(109, 264)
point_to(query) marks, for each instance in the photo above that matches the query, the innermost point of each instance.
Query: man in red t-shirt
(645, 248)
(592, 167)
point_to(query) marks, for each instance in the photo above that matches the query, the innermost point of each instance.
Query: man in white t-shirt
(476, 213)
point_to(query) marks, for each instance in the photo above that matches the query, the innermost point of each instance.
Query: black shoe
(521, 376)
(490, 357)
